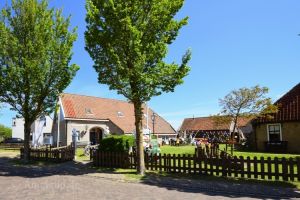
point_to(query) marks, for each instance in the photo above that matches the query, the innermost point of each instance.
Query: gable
(288, 108)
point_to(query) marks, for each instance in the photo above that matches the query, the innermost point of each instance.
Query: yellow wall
(290, 132)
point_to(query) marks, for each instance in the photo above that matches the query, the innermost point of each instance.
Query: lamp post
(153, 118)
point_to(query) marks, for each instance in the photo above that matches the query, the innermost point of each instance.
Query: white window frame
(280, 133)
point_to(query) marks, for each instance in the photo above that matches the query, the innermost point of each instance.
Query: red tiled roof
(288, 107)
(208, 124)
(121, 113)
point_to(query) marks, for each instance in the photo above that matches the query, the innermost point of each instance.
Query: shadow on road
(221, 188)
(10, 167)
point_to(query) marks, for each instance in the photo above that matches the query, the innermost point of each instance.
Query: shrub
(120, 143)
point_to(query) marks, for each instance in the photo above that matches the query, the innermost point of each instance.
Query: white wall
(18, 127)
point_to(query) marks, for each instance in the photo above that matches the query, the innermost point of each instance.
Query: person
(177, 141)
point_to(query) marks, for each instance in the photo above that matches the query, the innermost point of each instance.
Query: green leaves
(5, 132)
(247, 102)
(35, 51)
(128, 41)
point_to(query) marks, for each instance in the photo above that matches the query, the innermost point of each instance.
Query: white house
(40, 129)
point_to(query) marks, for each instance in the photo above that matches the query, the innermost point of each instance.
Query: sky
(234, 44)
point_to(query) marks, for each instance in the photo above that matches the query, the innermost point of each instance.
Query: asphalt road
(72, 181)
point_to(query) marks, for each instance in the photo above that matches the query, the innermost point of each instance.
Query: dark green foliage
(117, 143)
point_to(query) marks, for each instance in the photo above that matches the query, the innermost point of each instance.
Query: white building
(39, 129)
(93, 118)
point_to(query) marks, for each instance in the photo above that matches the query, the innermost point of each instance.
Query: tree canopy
(244, 102)
(35, 51)
(128, 41)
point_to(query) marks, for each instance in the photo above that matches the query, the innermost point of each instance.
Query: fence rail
(56, 155)
(256, 168)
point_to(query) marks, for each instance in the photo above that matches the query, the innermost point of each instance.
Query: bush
(117, 143)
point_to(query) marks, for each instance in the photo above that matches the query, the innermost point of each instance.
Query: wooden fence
(251, 168)
(61, 154)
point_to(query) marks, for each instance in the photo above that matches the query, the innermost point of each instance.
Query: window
(120, 114)
(88, 111)
(14, 122)
(274, 132)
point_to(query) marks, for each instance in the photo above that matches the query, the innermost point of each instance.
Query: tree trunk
(27, 130)
(139, 138)
(233, 133)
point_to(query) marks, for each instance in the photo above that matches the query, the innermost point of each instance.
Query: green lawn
(189, 149)
(80, 155)
(252, 154)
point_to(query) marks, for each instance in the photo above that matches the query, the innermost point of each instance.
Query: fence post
(242, 167)
(298, 169)
(160, 163)
(248, 167)
(291, 162)
(255, 167)
(174, 163)
(284, 169)
(169, 163)
(217, 160)
(235, 166)
(47, 152)
(262, 167)
(276, 168)
(189, 164)
(224, 166)
(179, 163)
(269, 168)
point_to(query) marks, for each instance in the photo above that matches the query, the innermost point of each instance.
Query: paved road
(74, 181)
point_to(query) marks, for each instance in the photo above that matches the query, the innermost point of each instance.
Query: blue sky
(234, 43)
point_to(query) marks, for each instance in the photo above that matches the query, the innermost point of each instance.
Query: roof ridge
(288, 93)
(83, 95)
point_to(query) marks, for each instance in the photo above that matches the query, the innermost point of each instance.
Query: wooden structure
(251, 168)
(61, 154)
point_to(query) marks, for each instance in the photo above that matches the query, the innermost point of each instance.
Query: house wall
(290, 132)
(18, 127)
(62, 129)
(84, 128)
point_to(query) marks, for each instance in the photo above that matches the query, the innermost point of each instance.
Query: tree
(5, 132)
(35, 51)
(128, 41)
(245, 102)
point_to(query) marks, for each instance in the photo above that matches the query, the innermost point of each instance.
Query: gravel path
(75, 181)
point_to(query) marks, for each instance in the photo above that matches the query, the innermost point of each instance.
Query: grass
(80, 155)
(252, 154)
(9, 150)
(189, 149)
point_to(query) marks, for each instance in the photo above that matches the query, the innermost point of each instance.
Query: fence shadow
(233, 189)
